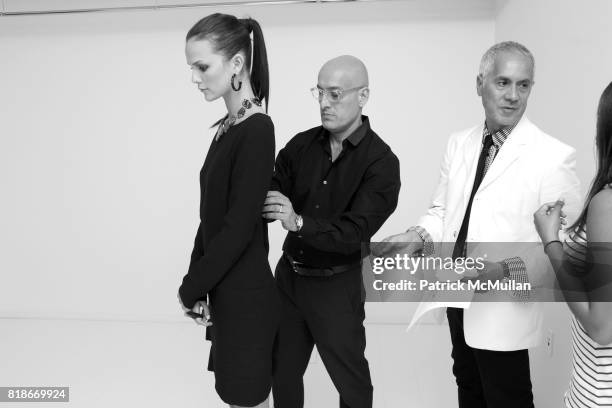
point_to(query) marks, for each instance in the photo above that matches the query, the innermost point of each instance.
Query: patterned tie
(498, 140)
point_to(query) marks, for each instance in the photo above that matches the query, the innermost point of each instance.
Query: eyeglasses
(333, 95)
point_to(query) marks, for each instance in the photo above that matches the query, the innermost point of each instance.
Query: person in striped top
(583, 267)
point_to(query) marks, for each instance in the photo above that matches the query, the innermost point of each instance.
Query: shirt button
(455, 234)
(317, 206)
(301, 252)
(299, 236)
(324, 181)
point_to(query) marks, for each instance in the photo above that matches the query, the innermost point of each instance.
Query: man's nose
(324, 101)
(512, 94)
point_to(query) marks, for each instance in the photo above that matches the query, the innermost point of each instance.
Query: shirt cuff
(515, 270)
(308, 226)
(428, 245)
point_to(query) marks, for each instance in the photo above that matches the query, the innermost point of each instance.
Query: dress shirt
(343, 202)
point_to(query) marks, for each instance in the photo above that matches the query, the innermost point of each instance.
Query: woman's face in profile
(210, 70)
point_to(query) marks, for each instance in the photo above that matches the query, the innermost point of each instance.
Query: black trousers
(486, 378)
(328, 312)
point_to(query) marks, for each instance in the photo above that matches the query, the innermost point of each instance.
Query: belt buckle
(321, 272)
(294, 266)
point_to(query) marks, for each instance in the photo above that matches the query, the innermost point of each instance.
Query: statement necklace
(231, 119)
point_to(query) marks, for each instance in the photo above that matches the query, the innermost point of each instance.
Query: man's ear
(479, 83)
(364, 95)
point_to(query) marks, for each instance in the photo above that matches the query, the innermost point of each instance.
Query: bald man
(333, 187)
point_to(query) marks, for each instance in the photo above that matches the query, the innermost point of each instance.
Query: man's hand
(279, 207)
(406, 242)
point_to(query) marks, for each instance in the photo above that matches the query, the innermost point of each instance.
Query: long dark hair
(603, 143)
(230, 35)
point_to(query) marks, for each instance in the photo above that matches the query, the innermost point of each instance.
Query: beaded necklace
(230, 120)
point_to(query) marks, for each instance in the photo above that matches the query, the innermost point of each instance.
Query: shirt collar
(357, 135)
(500, 136)
(360, 132)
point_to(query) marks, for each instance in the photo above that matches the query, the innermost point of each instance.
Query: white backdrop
(104, 135)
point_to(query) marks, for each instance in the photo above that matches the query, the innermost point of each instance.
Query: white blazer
(530, 169)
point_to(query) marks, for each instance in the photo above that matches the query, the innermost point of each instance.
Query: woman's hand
(549, 219)
(202, 308)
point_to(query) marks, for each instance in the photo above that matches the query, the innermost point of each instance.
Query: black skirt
(245, 324)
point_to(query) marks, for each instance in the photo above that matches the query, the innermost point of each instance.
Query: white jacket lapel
(509, 152)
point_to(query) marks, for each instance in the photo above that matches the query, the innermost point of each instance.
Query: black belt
(306, 270)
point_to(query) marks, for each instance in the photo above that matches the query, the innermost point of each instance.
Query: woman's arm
(196, 253)
(249, 183)
(588, 296)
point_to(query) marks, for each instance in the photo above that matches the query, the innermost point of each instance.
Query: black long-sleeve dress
(229, 262)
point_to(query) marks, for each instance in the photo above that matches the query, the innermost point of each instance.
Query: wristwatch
(299, 222)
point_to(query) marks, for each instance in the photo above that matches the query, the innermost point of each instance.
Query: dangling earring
(234, 87)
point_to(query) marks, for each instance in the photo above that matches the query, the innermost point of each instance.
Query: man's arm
(282, 180)
(374, 201)
(433, 220)
(532, 266)
(560, 181)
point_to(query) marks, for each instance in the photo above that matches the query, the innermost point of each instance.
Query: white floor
(162, 364)
(137, 364)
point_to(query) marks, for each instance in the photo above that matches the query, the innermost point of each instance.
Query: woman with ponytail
(583, 267)
(229, 287)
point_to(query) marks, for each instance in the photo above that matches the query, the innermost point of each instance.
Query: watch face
(299, 222)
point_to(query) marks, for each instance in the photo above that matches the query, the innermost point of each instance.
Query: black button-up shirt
(343, 202)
